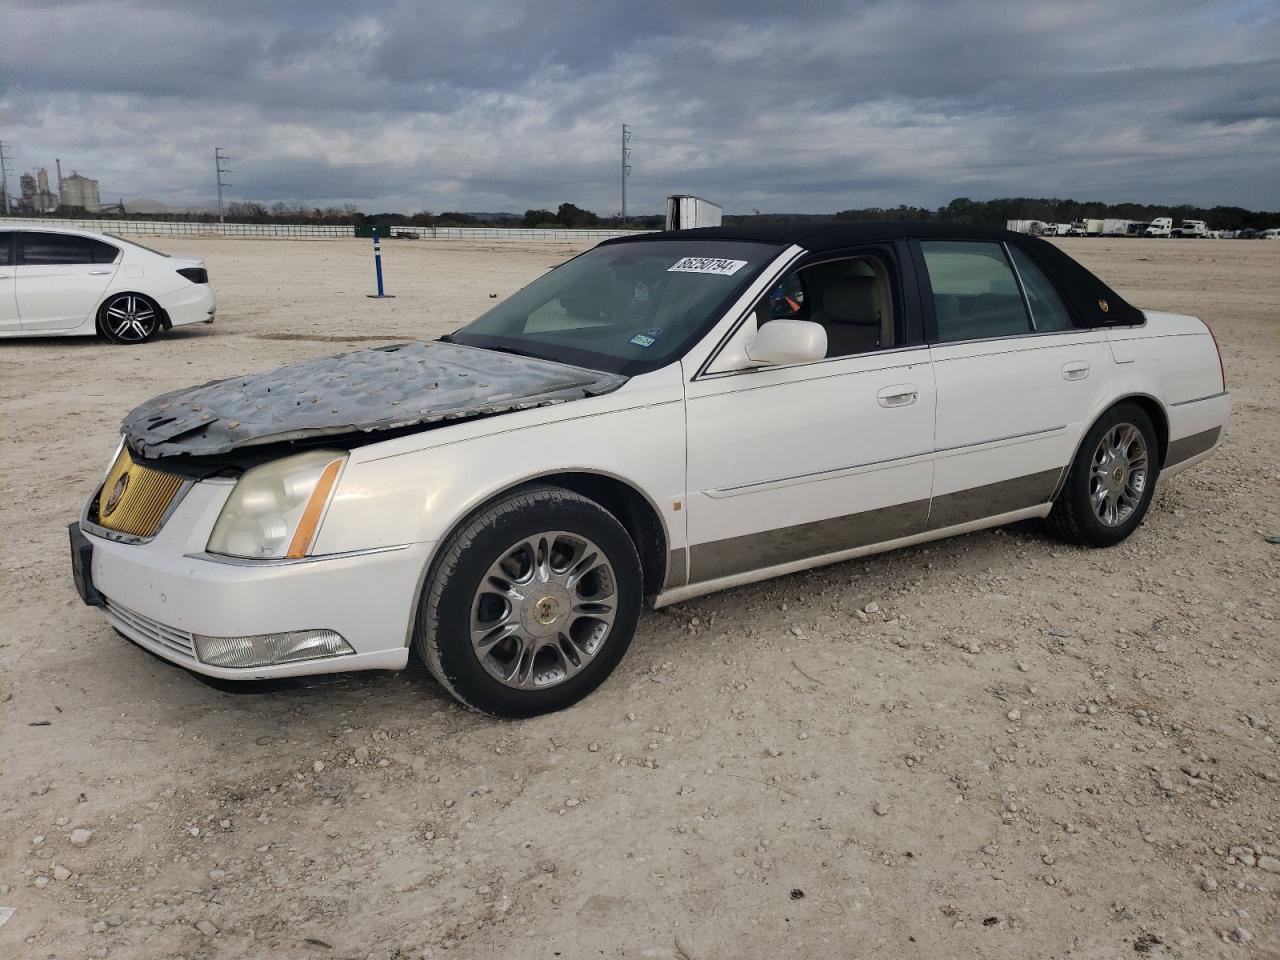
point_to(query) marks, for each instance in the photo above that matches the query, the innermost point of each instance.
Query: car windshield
(626, 308)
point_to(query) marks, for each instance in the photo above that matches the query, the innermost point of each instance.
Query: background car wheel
(1111, 482)
(531, 605)
(129, 318)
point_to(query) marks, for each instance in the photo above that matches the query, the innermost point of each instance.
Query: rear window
(54, 249)
(5, 244)
(135, 243)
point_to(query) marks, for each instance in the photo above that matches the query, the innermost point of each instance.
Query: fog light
(267, 649)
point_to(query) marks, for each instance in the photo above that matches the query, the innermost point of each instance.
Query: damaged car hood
(385, 388)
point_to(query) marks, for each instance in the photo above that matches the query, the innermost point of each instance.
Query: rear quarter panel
(1173, 359)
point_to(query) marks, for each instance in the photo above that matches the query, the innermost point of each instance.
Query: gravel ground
(994, 746)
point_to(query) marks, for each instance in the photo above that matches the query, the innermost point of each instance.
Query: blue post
(377, 266)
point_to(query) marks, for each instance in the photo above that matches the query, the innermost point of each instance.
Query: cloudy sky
(502, 105)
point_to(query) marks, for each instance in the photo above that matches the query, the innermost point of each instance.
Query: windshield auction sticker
(716, 265)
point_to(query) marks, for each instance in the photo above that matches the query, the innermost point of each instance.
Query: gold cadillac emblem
(117, 492)
(1104, 306)
(546, 610)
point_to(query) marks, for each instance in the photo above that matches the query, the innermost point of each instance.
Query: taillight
(195, 274)
(1222, 370)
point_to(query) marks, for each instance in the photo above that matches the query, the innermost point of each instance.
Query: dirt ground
(994, 746)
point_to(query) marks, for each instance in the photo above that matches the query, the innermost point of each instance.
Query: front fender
(418, 496)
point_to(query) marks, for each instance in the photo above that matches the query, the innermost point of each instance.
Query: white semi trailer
(1032, 227)
(685, 212)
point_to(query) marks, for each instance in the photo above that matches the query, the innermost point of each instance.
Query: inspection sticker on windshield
(716, 265)
(647, 339)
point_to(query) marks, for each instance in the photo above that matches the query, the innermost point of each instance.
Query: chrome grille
(132, 623)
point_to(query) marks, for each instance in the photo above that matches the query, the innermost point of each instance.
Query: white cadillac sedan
(57, 282)
(663, 416)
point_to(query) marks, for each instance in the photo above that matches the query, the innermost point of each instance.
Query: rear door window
(52, 249)
(6, 244)
(975, 293)
(1048, 312)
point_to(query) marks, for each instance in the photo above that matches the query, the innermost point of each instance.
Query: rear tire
(531, 604)
(129, 318)
(1111, 481)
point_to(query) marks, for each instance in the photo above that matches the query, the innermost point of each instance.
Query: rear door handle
(98, 273)
(899, 395)
(1076, 370)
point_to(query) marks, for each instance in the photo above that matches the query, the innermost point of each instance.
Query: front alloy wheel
(530, 605)
(129, 318)
(543, 610)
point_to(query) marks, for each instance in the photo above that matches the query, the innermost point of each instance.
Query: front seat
(851, 315)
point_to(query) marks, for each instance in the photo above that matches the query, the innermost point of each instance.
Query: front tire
(1111, 481)
(129, 318)
(531, 604)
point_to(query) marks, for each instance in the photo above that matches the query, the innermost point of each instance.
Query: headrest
(850, 300)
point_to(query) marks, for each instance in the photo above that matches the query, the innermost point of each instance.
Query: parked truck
(1115, 228)
(1032, 227)
(685, 212)
(1161, 227)
(1193, 228)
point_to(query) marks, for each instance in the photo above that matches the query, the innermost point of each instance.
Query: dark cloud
(505, 105)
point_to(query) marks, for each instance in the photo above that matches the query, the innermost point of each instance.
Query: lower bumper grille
(177, 642)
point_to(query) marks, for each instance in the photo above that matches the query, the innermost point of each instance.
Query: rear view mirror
(788, 341)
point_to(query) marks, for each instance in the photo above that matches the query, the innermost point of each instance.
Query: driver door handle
(899, 395)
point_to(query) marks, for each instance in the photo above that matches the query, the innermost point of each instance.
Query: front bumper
(162, 592)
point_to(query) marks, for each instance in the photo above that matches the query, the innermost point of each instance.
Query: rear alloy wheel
(1111, 482)
(129, 318)
(531, 605)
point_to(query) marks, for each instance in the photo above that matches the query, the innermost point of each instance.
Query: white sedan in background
(57, 282)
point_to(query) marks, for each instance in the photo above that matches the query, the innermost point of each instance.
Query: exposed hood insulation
(385, 388)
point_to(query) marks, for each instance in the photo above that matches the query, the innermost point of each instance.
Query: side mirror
(788, 341)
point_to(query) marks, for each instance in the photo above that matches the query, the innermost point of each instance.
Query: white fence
(181, 228)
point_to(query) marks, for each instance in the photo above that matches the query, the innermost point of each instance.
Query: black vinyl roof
(1095, 303)
(827, 235)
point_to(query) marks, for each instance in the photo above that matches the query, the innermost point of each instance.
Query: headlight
(275, 509)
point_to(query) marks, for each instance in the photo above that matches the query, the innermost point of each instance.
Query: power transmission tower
(626, 167)
(5, 155)
(220, 161)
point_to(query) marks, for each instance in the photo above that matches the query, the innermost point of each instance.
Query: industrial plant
(74, 191)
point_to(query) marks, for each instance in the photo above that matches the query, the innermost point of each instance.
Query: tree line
(998, 212)
(570, 215)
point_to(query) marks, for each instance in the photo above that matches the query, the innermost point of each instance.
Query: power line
(5, 154)
(220, 161)
(626, 167)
